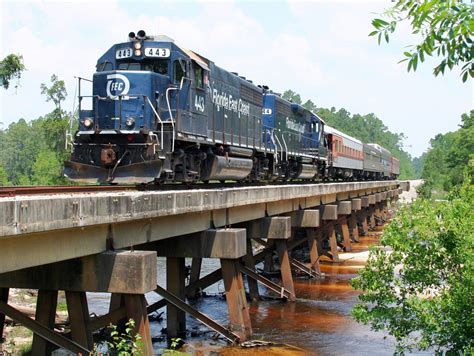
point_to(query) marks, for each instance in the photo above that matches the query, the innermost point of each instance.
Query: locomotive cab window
(129, 66)
(104, 66)
(179, 70)
(198, 76)
(159, 66)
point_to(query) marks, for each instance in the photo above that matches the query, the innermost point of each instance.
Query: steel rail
(60, 189)
(12, 191)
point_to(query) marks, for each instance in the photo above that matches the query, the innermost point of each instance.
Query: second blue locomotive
(162, 113)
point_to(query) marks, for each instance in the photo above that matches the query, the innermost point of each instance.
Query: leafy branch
(446, 28)
(11, 67)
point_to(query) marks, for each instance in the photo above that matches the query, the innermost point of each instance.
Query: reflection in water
(318, 323)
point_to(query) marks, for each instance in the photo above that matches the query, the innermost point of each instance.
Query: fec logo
(117, 84)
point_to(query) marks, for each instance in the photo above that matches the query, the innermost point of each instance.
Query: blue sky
(319, 49)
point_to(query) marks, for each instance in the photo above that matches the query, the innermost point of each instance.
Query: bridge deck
(35, 230)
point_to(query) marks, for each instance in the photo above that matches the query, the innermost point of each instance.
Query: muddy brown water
(318, 323)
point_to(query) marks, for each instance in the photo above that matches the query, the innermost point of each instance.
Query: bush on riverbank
(422, 290)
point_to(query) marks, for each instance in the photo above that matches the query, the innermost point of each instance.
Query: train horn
(141, 35)
(131, 36)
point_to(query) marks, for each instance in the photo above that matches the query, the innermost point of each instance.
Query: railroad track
(62, 189)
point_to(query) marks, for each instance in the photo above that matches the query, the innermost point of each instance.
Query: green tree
(56, 93)
(46, 169)
(55, 124)
(460, 155)
(11, 67)
(3, 177)
(290, 95)
(449, 160)
(436, 170)
(19, 147)
(309, 105)
(422, 290)
(418, 163)
(31, 153)
(446, 28)
(53, 130)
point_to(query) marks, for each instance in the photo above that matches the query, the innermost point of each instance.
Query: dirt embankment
(16, 338)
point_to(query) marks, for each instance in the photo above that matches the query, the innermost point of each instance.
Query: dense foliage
(450, 159)
(33, 152)
(421, 291)
(446, 29)
(367, 128)
(11, 67)
(419, 284)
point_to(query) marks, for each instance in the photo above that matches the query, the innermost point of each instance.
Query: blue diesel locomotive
(162, 113)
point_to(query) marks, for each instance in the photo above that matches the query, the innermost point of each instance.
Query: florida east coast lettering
(228, 102)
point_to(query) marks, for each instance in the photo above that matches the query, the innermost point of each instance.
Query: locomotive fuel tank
(224, 167)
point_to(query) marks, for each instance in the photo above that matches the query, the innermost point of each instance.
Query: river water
(318, 323)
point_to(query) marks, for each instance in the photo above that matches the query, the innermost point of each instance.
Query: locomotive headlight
(130, 122)
(137, 45)
(88, 122)
(138, 52)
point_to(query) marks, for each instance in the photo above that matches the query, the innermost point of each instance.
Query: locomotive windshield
(104, 66)
(159, 66)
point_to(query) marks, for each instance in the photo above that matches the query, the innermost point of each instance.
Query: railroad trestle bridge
(109, 242)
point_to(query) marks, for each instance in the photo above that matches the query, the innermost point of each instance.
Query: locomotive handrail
(171, 114)
(281, 146)
(286, 146)
(159, 119)
(135, 96)
(272, 137)
(300, 150)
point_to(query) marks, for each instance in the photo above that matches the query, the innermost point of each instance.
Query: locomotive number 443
(157, 52)
(123, 53)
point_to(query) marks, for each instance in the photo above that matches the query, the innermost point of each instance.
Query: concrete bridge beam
(213, 243)
(329, 215)
(309, 219)
(277, 229)
(132, 274)
(354, 229)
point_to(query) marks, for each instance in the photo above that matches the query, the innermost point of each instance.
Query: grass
(62, 306)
